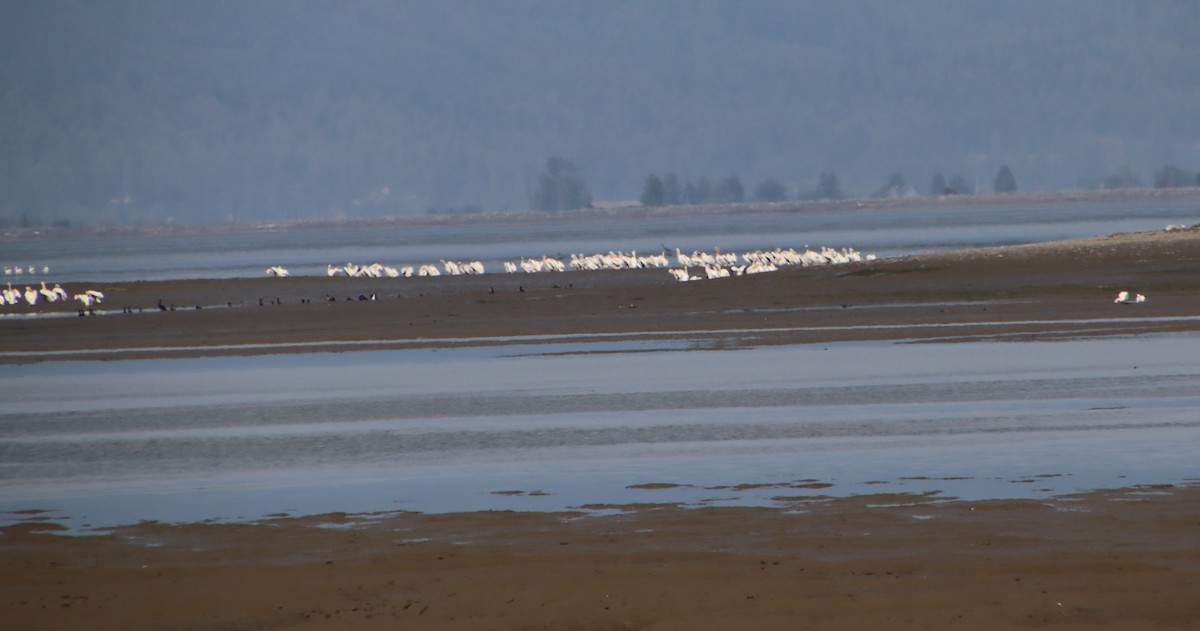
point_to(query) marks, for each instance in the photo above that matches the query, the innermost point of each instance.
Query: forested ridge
(119, 112)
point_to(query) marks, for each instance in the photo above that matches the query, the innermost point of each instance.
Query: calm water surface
(307, 252)
(526, 427)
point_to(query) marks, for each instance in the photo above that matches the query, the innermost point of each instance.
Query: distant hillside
(118, 112)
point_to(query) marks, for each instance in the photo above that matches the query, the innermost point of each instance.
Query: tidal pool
(558, 426)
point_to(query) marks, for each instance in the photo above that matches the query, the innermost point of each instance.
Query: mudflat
(1017, 292)
(1120, 559)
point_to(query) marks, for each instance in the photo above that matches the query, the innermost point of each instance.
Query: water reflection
(540, 427)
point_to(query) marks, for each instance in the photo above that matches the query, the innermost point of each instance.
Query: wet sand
(1018, 292)
(1127, 559)
(1121, 559)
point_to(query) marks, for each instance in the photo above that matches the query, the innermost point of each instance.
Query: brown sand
(1115, 560)
(1127, 559)
(1005, 291)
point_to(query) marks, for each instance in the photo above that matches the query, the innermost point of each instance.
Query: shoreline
(1124, 558)
(1028, 291)
(631, 211)
(1121, 558)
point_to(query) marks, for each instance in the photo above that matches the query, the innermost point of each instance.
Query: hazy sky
(205, 111)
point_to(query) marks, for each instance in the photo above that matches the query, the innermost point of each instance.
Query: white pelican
(679, 273)
(31, 295)
(1123, 298)
(48, 293)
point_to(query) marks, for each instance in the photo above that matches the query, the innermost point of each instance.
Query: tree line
(561, 187)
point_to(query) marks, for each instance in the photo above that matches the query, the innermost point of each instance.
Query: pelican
(1123, 298)
(48, 293)
(679, 273)
(31, 295)
(277, 271)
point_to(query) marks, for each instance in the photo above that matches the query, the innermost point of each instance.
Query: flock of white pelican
(10, 270)
(378, 270)
(13, 296)
(714, 265)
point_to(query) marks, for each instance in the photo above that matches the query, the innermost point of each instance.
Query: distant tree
(827, 188)
(937, 186)
(560, 187)
(1125, 178)
(770, 190)
(672, 193)
(958, 186)
(895, 188)
(653, 192)
(1172, 176)
(730, 191)
(699, 193)
(1005, 182)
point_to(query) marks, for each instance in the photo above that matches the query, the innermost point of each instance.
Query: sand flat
(1025, 292)
(1124, 558)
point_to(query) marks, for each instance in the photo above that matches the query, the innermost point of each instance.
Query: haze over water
(884, 232)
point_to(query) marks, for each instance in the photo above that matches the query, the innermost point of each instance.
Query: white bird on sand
(48, 293)
(31, 295)
(1123, 298)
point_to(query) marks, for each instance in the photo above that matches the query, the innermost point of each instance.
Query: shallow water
(528, 427)
(884, 232)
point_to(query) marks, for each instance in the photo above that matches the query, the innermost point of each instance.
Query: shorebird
(1123, 298)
